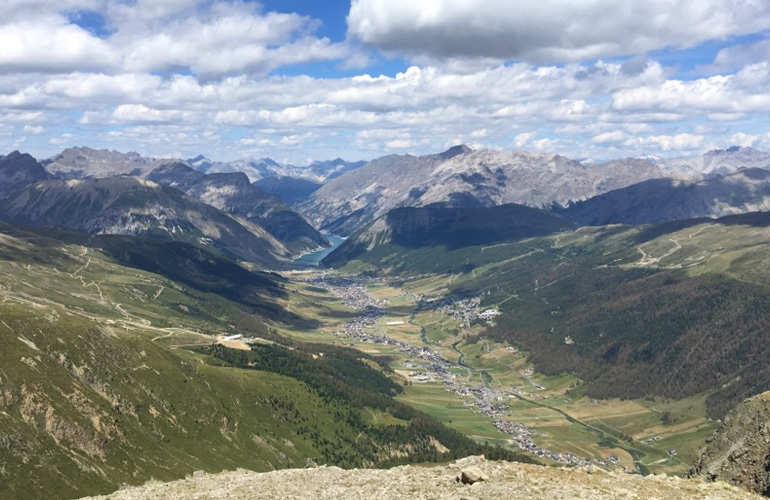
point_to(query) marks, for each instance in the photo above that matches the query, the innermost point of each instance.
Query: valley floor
(488, 390)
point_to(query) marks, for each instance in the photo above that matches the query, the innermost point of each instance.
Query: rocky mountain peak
(17, 171)
(454, 151)
(88, 163)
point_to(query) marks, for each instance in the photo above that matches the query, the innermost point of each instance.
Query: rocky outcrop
(739, 452)
(503, 481)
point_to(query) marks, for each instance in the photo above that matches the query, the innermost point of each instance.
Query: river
(315, 258)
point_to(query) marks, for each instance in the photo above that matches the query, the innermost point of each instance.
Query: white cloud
(721, 96)
(418, 110)
(522, 139)
(66, 140)
(549, 30)
(139, 113)
(194, 76)
(738, 56)
(400, 144)
(229, 38)
(208, 38)
(609, 137)
(678, 142)
(33, 129)
(51, 44)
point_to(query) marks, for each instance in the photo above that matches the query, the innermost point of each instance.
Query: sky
(304, 80)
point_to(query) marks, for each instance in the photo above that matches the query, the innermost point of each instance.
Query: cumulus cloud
(52, 45)
(197, 76)
(207, 38)
(678, 142)
(523, 138)
(722, 95)
(609, 137)
(549, 30)
(230, 37)
(738, 56)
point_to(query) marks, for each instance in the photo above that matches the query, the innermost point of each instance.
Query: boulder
(471, 475)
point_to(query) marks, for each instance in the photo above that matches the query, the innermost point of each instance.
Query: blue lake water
(314, 258)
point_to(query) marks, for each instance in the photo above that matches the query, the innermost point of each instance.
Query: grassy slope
(96, 391)
(673, 310)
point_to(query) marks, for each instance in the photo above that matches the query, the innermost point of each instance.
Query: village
(430, 365)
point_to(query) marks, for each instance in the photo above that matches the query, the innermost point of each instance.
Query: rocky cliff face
(739, 452)
(501, 481)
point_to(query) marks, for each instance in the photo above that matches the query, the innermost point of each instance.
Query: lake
(314, 258)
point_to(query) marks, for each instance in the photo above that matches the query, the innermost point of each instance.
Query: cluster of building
(432, 366)
(465, 310)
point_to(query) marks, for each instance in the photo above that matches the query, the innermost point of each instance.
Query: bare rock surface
(505, 481)
(739, 452)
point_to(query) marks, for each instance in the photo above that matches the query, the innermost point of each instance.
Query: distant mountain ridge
(290, 189)
(461, 177)
(661, 200)
(89, 163)
(234, 194)
(716, 163)
(131, 206)
(231, 192)
(262, 168)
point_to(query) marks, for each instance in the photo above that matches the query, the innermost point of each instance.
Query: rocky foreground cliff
(739, 452)
(501, 480)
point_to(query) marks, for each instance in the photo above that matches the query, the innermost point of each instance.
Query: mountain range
(342, 197)
(317, 171)
(660, 200)
(234, 194)
(230, 192)
(131, 206)
(461, 177)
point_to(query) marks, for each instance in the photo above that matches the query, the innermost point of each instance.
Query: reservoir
(314, 258)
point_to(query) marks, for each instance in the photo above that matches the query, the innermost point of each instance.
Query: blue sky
(300, 80)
